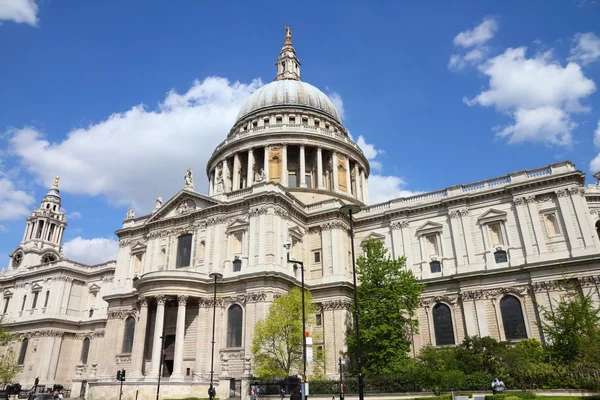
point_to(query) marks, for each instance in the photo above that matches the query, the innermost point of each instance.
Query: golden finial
(56, 180)
(288, 35)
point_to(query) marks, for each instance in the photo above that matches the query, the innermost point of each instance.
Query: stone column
(356, 182)
(522, 226)
(537, 226)
(266, 163)
(158, 332)
(26, 230)
(302, 167)
(200, 335)
(137, 356)
(320, 169)
(571, 236)
(225, 169)
(348, 181)
(284, 168)
(236, 172)
(250, 169)
(177, 374)
(334, 171)
(365, 187)
(211, 182)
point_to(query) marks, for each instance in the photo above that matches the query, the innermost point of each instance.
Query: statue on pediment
(158, 203)
(189, 179)
(130, 213)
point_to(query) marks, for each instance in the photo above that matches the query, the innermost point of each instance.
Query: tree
(389, 296)
(482, 354)
(277, 343)
(572, 328)
(8, 362)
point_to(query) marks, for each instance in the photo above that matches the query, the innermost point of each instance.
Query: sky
(119, 98)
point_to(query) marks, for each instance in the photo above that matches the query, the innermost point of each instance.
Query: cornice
(57, 272)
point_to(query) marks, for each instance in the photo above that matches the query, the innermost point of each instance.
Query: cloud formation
(595, 163)
(15, 203)
(337, 101)
(586, 49)
(539, 94)
(472, 44)
(91, 251)
(19, 11)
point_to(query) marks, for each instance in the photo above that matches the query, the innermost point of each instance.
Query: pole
(137, 392)
(121, 389)
(341, 381)
(211, 390)
(303, 325)
(162, 356)
(361, 394)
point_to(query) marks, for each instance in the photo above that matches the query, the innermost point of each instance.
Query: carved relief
(123, 359)
(459, 212)
(562, 192)
(450, 299)
(519, 201)
(282, 213)
(121, 314)
(130, 241)
(336, 305)
(333, 225)
(186, 206)
(256, 211)
(399, 224)
(492, 293)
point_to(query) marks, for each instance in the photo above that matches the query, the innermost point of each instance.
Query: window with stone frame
(318, 319)
(6, 303)
(137, 262)
(128, 334)
(317, 256)
(47, 298)
(495, 233)
(184, 251)
(23, 352)
(442, 325)
(234, 326)
(552, 223)
(85, 350)
(36, 294)
(512, 318)
(24, 302)
(432, 245)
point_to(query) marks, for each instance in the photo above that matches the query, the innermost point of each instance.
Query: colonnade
(50, 231)
(301, 166)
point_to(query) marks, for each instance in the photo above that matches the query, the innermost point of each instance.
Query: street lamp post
(350, 210)
(211, 390)
(162, 357)
(341, 362)
(296, 262)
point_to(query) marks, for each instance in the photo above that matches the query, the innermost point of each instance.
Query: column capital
(182, 300)
(143, 301)
(160, 299)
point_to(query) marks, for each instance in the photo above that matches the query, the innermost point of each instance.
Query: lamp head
(350, 209)
(216, 276)
(287, 246)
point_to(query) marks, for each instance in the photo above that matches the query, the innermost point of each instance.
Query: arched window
(234, 326)
(184, 251)
(442, 325)
(512, 318)
(128, 336)
(85, 350)
(598, 228)
(23, 351)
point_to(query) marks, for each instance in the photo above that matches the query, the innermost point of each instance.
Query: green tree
(388, 296)
(482, 354)
(8, 362)
(439, 370)
(572, 328)
(526, 364)
(277, 343)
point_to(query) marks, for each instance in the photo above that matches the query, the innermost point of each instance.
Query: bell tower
(288, 65)
(42, 239)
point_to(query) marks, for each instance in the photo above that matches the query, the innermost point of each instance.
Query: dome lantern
(288, 66)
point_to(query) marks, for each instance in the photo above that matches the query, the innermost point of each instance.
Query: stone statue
(288, 35)
(260, 176)
(56, 180)
(158, 203)
(130, 213)
(189, 179)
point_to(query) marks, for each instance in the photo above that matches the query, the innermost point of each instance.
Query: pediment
(491, 215)
(138, 247)
(36, 287)
(429, 227)
(296, 232)
(238, 224)
(183, 203)
(8, 293)
(374, 235)
(94, 288)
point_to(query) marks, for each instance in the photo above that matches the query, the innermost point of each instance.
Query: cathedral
(491, 253)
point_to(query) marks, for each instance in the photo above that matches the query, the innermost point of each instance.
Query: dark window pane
(442, 324)
(85, 350)
(319, 320)
(128, 337)
(23, 352)
(35, 299)
(317, 256)
(234, 326)
(47, 298)
(512, 318)
(184, 251)
(6, 301)
(500, 256)
(435, 266)
(24, 301)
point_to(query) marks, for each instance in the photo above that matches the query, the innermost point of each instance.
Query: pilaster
(157, 341)
(284, 166)
(250, 169)
(320, 169)
(334, 173)
(302, 177)
(137, 356)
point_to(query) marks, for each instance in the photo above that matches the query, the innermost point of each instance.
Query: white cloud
(337, 101)
(595, 163)
(19, 11)
(478, 35)
(132, 157)
(74, 215)
(91, 251)
(384, 188)
(474, 40)
(369, 150)
(15, 203)
(537, 92)
(587, 48)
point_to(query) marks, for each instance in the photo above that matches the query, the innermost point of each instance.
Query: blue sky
(119, 98)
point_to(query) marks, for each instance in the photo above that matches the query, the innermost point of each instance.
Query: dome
(289, 92)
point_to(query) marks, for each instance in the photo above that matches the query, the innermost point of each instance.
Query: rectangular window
(552, 224)
(319, 353)
(6, 302)
(188, 372)
(47, 298)
(35, 299)
(432, 244)
(266, 121)
(317, 257)
(495, 231)
(24, 301)
(254, 124)
(184, 251)
(318, 319)
(278, 120)
(292, 179)
(304, 120)
(292, 120)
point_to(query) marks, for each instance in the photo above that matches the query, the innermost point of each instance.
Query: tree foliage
(388, 297)
(8, 361)
(278, 339)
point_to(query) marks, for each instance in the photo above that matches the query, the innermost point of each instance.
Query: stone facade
(491, 253)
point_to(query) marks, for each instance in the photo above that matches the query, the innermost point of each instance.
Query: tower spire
(288, 65)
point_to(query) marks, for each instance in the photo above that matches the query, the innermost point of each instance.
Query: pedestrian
(252, 393)
(296, 394)
(256, 391)
(282, 393)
